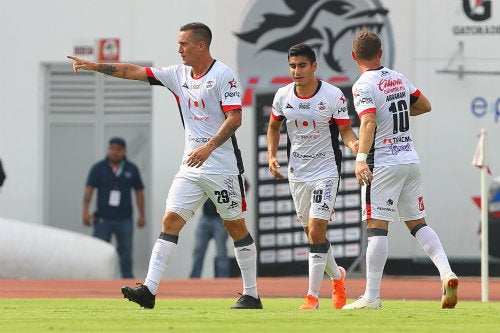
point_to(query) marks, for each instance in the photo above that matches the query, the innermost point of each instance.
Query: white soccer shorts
(314, 199)
(190, 190)
(395, 193)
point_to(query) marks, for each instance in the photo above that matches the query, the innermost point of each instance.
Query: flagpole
(484, 223)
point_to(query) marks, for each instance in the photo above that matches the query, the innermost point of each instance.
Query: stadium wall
(448, 49)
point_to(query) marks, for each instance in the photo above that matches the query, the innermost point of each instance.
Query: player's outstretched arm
(120, 70)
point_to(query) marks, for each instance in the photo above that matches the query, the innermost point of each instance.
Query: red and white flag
(479, 159)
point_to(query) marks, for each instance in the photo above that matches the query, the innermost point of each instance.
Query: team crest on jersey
(304, 123)
(321, 106)
(210, 84)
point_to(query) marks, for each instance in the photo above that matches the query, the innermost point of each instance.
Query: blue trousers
(210, 227)
(123, 231)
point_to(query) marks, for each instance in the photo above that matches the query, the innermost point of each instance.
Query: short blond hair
(366, 45)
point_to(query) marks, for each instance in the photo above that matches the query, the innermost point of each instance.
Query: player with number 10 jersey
(389, 95)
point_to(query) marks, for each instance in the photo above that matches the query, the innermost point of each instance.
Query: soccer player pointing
(210, 105)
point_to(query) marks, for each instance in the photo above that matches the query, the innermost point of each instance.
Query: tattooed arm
(227, 129)
(120, 70)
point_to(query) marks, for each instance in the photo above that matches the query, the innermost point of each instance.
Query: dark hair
(201, 30)
(302, 49)
(366, 45)
(118, 141)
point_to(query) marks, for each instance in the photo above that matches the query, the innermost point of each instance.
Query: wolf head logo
(271, 27)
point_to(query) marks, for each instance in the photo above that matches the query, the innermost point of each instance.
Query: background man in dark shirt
(114, 177)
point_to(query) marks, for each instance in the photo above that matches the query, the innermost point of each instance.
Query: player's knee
(416, 228)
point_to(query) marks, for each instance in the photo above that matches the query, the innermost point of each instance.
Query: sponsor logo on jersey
(342, 110)
(328, 190)
(390, 141)
(233, 84)
(307, 137)
(199, 118)
(230, 187)
(389, 202)
(305, 106)
(396, 149)
(308, 156)
(288, 106)
(232, 94)
(363, 100)
(387, 209)
(390, 86)
(185, 85)
(198, 140)
(197, 85)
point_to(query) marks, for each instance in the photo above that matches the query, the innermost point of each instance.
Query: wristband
(361, 157)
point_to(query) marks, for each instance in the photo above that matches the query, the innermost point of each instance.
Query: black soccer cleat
(140, 295)
(247, 302)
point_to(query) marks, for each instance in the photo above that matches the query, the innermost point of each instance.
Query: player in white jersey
(209, 102)
(315, 113)
(387, 167)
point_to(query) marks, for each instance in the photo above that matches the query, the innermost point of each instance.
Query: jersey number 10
(400, 116)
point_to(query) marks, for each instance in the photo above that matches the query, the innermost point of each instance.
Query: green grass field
(213, 315)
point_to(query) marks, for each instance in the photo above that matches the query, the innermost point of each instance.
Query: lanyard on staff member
(114, 195)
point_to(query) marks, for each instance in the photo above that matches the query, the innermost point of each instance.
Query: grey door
(81, 113)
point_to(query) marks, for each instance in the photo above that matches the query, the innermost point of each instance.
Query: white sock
(317, 263)
(162, 253)
(246, 256)
(331, 268)
(431, 244)
(376, 256)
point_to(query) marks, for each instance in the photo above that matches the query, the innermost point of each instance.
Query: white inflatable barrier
(34, 251)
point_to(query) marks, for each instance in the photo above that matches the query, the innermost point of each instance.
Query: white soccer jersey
(312, 131)
(388, 94)
(202, 103)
